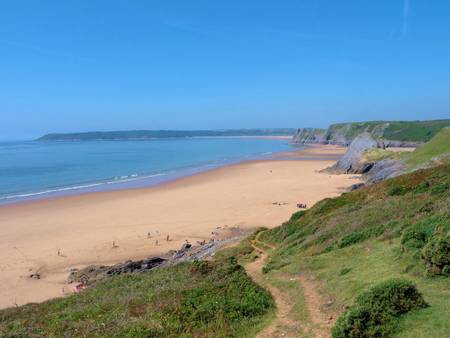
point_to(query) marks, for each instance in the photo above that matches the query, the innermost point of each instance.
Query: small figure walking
(114, 245)
(156, 242)
(167, 238)
(149, 235)
(59, 252)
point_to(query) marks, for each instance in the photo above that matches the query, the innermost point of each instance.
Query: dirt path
(287, 324)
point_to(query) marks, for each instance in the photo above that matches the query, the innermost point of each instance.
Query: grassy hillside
(419, 131)
(404, 131)
(438, 147)
(394, 229)
(199, 299)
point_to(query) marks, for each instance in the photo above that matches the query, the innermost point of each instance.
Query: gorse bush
(417, 235)
(375, 312)
(398, 190)
(436, 254)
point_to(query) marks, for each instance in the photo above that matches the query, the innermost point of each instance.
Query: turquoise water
(30, 170)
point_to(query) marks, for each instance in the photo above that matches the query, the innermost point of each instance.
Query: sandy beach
(83, 227)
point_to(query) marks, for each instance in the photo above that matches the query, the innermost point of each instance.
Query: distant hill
(156, 134)
(392, 133)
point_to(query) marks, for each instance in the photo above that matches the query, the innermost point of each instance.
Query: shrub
(422, 187)
(375, 311)
(345, 271)
(397, 190)
(362, 235)
(436, 254)
(440, 188)
(329, 204)
(201, 267)
(297, 215)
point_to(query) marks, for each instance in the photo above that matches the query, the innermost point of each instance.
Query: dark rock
(94, 273)
(352, 161)
(384, 169)
(356, 186)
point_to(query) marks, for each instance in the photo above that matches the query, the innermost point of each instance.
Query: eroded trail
(288, 321)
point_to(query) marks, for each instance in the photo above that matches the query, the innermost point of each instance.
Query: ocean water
(31, 170)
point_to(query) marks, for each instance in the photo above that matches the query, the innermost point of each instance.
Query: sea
(32, 170)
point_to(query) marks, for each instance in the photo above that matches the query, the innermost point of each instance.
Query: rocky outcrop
(384, 169)
(310, 135)
(188, 252)
(94, 273)
(344, 133)
(352, 161)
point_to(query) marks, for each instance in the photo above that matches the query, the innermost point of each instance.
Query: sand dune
(83, 227)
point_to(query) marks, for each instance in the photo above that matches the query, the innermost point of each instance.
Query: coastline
(84, 226)
(135, 179)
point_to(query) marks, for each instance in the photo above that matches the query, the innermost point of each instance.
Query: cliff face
(310, 135)
(391, 134)
(341, 133)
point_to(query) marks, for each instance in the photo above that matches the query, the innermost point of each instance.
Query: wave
(115, 180)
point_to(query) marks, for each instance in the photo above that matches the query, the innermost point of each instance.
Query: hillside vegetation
(437, 149)
(198, 299)
(419, 131)
(395, 232)
(394, 133)
(155, 134)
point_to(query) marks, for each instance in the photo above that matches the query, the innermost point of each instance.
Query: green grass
(409, 131)
(371, 263)
(418, 131)
(439, 146)
(242, 251)
(367, 236)
(199, 299)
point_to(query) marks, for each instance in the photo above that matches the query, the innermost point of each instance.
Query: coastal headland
(51, 236)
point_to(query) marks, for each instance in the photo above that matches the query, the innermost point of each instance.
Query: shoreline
(84, 226)
(135, 181)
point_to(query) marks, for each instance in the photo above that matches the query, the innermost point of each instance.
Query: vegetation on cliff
(394, 133)
(397, 228)
(198, 299)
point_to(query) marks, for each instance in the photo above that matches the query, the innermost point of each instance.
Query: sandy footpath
(83, 227)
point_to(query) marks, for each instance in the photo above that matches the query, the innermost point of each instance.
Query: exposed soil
(285, 323)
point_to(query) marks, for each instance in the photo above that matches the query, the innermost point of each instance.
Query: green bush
(422, 187)
(297, 215)
(440, 188)
(417, 235)
(375, 312)
(436, 254)
(344, 271)
(398, 190)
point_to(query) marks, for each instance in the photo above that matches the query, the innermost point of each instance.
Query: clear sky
(193, 64)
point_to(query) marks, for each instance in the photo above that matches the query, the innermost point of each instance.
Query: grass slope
(438, 146)
(419, 131)
(355, 241)
(409, 131)
(199, 299)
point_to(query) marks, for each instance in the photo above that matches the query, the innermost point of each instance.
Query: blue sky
(105, 65)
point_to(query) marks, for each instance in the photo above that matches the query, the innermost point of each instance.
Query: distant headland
(159, 134)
